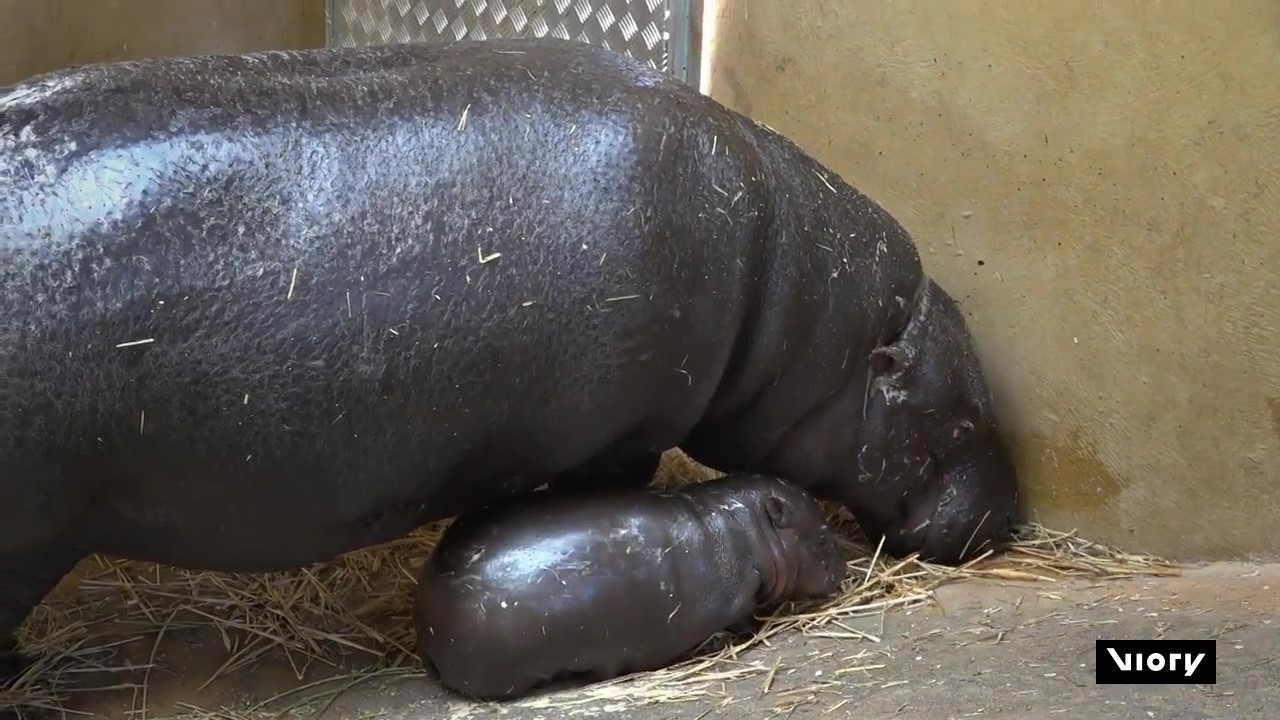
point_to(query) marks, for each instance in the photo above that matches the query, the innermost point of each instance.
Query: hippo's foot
(25, 579)
(626, 470)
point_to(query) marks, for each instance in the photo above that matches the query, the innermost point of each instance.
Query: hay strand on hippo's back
(334, 625)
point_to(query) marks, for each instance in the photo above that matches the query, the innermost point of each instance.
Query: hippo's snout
(969, 508)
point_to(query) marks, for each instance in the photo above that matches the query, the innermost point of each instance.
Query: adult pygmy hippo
(261, 310)
(600, 586)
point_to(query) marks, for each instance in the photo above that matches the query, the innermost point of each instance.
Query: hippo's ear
(778, 511)
(890, 360)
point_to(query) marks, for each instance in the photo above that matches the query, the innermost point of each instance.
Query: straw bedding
(348, 621)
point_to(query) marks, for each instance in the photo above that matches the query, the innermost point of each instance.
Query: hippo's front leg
(616, 469)
(25, 579)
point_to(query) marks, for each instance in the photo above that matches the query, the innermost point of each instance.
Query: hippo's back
(279, 299)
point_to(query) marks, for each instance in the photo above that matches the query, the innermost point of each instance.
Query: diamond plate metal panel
(639, 28)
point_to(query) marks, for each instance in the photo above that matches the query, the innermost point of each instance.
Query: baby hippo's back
(599, 585)
(522, 594)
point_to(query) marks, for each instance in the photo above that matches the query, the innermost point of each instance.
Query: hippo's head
(925, 466)
(933, 473)
(807, 561)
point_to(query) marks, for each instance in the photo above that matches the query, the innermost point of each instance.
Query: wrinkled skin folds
(262, 310)
(565, 585)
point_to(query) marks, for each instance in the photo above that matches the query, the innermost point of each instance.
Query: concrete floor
(986, 650)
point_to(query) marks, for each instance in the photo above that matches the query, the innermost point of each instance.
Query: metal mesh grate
(639, 28)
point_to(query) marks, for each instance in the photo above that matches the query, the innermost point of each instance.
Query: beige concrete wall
(41, 35)
(1099, 183)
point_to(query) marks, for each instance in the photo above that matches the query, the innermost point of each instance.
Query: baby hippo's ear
(778, 511)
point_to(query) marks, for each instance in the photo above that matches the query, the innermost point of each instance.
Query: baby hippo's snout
(560, 586)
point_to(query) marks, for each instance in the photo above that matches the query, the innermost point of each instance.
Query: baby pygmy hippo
(561, 585)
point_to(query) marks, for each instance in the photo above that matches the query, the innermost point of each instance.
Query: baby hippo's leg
(457, 646)
(496, 682)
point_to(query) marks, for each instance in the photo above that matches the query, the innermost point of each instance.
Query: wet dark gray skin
(591, 587)
(263, 310)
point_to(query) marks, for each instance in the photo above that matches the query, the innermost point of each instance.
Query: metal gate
(660, 32)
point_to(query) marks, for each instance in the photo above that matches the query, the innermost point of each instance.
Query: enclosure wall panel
(41, 35)
(1099, 184)
(654, 31)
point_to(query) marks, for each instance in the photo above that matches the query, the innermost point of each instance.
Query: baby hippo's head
(799, 554)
